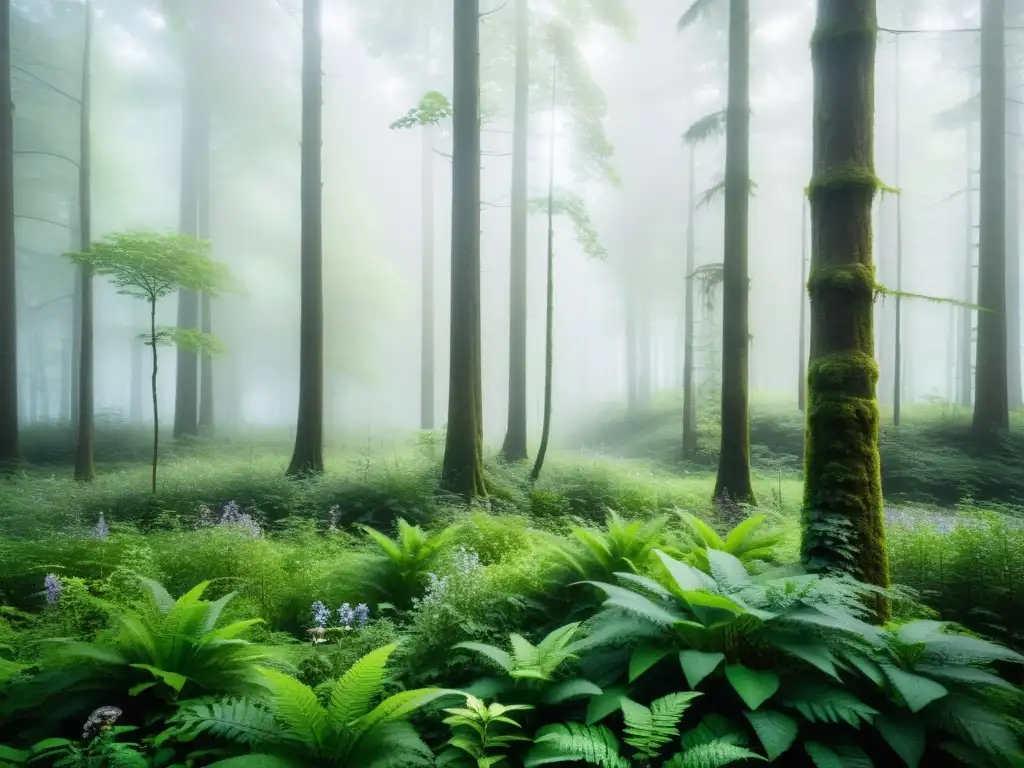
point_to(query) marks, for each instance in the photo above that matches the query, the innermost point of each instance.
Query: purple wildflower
(101, 531)
(53, 588)
(362, 614)
(346, 615)
(321, 614)
(232, 515)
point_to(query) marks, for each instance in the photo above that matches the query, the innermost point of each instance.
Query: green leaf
(644, 657)
(918, 692)
(715, 754)
(905, 735)
(686, 577)
(827, 704)
(12, 755)
(727, 570)
(570, 689)
(631, 602)
(610, 700)
(172, 679)
(699, 664)
(352, 694)
(776, 731)
(502, 658)
(753, 686)
(254, 761)
(846, 756)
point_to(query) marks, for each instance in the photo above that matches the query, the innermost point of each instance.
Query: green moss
(846, 177)
(854, 278)
(840, 33)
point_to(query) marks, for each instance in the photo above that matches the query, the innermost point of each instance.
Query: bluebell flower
(346, 615)
(53, 588)
(233, 515)
(321, 614)
(362, 614)
(436, 590)
(101, 531)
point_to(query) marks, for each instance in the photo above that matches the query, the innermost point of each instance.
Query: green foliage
(101, 750)
(571, 205)
(622, 546)
(186, 338)
(151, 265)
(298, 730)
(432, 109)
(743, 542)
(709, 127)
(477, 732)
(399, 574)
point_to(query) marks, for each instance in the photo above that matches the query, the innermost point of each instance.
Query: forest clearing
(486, 384)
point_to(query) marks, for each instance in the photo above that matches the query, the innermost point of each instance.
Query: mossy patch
(854, 278)
(834, 34)
(847, 177)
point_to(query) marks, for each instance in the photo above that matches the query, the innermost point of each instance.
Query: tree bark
(514, 446)
(843, 525)
(991, 405)
(549, 317)
(689, 393)
(307, 457)
(427, 300)
(897, 369)
(152, 392)
(733, 480)
(186, 390)
(10, 447)
(965, 317)
(462, 470)
(85, 469)
(801, 377)
(1013, 331)
(206, 389)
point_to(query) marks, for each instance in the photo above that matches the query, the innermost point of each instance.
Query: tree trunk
(801, 377)
(427, 300)
(152, 391)
(76, 339)
(308, 456)
(843, 526)
(733, 480)
(85, 469)
(206, 391)
(1013, 331)
(67, 374)
(10, 447)
(462, 470)
(897, 368)
(643, 353)
(514, 447)
(549, 318)
(991, 407)
(631, 343)
(186, 390)
(689, 393)
(965, 341)
(135, 402)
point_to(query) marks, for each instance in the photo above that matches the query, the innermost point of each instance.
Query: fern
(573, 742)
(649, 729)
(714, 754)
(239, 721)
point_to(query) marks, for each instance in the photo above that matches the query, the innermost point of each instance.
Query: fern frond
(696, 11)
(574, 742)
(502, 658)
(296, 709)
(551, 651)
(356, 689)
(649, 729)
(708, 127)
(240, 721)
(714, 754)
(399, 707)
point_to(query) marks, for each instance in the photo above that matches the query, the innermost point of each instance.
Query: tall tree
(193, 127)
(462, 470)
(843, 525)
(1013, 313)
(733, 479)
(897, 369)
(10, 448)
(991, 404)
(801, 377)
(427, 281)
(308, 455)
(514, 446)
(689, 395)
(85, 469)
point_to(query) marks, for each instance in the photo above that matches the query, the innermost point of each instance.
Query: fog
(657, 80)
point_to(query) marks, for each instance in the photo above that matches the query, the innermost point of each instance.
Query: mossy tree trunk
(462, 469)
(733, 480)
(991, 403)
(308, 454)
(514, 446)
(843, 524)
(689, 393)
(897, 368)
(1013, 334)
(10, 447)
(85, 469)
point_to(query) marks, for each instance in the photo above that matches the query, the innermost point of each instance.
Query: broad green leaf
(837, 756)
(633, 603)
(918, 692)
(715, 754)
(727, 570)
(755, 687)
(502, 658)
(610, 700)
(906, 736)
(686, 577)
(699, 664)
(172, 679)
(776, 731)
(570, 689)
(644, 657)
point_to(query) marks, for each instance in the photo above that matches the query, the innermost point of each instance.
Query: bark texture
(85, 469)
(991, 404)
(1013, 331)
(843, 525)
(308, 455)
(801, 378)
(427, 283)
(689, 392)
(733, 480)
(965, 316)
(462, 470)
(514, 446)
(10, 447)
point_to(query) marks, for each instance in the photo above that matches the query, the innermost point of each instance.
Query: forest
(511, 383)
